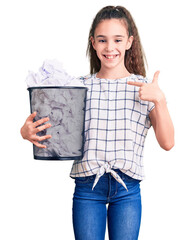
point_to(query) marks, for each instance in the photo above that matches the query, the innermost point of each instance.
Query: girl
(121, 106)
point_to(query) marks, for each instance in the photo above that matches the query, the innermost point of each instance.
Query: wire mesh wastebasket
(65, 107)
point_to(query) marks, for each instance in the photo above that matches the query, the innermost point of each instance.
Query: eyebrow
(99, 36)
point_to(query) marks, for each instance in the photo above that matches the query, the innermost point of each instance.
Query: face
(111, 42)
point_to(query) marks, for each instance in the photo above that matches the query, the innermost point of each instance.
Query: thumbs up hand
(149, 91)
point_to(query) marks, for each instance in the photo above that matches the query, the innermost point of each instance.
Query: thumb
(155, 78)
(32, 116)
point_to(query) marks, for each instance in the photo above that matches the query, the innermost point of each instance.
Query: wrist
(161, 100)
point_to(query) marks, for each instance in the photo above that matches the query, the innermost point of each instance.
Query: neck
(112, 73)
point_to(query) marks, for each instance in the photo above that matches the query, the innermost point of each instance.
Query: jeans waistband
(107, 168)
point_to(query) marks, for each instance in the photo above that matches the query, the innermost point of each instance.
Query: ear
(92, 42)
(129, 42)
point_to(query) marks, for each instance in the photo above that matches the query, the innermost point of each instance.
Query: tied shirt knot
(108, 169)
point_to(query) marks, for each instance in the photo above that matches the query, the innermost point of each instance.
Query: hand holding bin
(65, 107)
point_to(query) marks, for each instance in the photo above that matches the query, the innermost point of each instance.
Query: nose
(109, 46)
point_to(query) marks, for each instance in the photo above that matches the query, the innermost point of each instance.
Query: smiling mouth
(111, 56)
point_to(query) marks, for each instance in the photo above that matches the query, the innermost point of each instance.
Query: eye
(118, 40)
(102, 40)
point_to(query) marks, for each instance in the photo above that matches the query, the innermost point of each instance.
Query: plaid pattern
(116, 124)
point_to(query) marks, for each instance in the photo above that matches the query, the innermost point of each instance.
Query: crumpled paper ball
(51, 73)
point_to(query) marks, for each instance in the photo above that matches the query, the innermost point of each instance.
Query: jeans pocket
(87, 179)
(129, 179)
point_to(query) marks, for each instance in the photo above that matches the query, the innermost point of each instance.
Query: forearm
(159, 116)
(164, 129)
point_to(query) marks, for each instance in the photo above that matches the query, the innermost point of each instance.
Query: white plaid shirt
(116, 124)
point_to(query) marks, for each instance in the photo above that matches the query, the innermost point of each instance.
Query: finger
(37, 138)
(138, 84)
(146, 97)
(42, 138)
(155, 78)
(31, 116)
(43, 127)
(39, 145)
(41, 121)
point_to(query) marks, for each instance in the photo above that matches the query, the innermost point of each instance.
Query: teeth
(110, 56)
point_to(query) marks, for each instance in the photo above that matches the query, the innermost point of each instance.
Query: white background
(36, 196)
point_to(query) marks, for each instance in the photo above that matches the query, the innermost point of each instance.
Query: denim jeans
(108, 201)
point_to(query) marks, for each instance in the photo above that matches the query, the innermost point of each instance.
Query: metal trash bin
(65, 107)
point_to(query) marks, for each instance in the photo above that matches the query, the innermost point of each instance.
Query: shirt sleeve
(151, 105)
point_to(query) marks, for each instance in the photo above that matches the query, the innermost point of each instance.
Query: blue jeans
(90, 209)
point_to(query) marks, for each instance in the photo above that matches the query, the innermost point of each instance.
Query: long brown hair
(135, 58)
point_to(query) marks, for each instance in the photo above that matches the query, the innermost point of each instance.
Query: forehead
(111, 27)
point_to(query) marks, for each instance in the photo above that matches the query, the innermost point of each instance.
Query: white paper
(51, 73)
